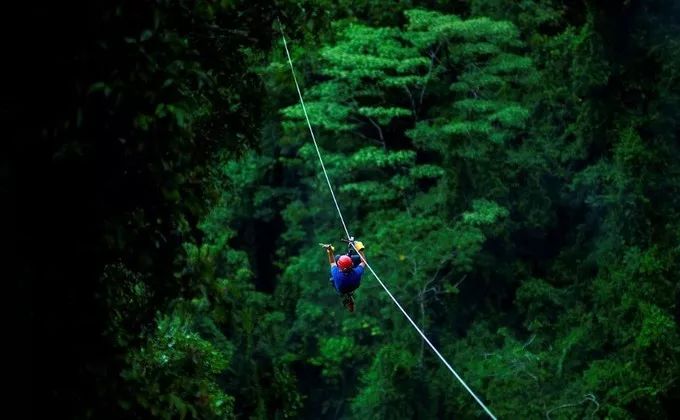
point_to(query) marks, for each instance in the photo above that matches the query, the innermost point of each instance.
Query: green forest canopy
(511, 169)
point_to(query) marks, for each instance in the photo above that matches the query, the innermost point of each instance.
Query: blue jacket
(346, 282)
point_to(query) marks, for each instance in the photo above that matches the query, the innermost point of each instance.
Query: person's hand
(358, 245)
(327, 247)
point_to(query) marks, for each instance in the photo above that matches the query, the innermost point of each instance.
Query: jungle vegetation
(511, 167)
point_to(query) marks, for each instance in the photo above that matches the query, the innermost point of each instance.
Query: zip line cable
(304, 110)
(422, 334)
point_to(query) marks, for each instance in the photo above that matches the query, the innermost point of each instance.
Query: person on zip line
(346, 270)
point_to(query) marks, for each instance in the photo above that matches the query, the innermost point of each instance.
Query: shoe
(348, 301)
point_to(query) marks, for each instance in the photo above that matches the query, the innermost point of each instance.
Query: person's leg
(348, 298)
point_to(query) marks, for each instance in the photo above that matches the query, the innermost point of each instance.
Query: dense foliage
(511, 167)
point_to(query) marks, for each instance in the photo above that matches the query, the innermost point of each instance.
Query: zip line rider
(346, 271)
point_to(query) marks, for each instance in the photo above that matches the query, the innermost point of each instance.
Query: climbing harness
(350, 240)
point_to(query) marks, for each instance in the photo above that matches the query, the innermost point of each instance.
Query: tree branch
(363, 136)
(587, 397)
(413, 104)
(433, 56)
(380, 133)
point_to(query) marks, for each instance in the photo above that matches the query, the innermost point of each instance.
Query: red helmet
(344, 262)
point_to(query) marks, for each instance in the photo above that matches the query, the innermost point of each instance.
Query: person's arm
(363, 258)
(331, 257)
(359, 246)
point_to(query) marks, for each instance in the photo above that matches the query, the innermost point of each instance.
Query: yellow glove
(358, 245)
(327, 247)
